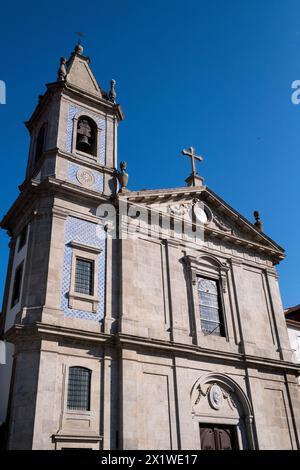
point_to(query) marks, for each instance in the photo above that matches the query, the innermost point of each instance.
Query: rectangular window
(22, 238)
(79, 386)
(209, 305)
(17, 285)
(84, 276)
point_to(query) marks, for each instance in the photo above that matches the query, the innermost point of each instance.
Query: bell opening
(86, 135)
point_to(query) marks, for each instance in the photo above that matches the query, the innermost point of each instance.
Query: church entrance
(221, 414)
(217, 437)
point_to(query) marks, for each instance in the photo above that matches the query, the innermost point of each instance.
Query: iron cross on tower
(80, 36)
(192, 154)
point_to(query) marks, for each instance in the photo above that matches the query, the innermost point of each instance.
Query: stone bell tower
(55, 245)
(74, 128)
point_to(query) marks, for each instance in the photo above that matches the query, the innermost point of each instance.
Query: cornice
(293, 323)
(209, 195)
(63, 186)
(84, 161)
(83, 247)
(242, 359)
(39, 109)
(63, 437)
(22, 204)
(70, 157)
(50, 186)
(38, 330)
(53, 332)
(270, 250)
(61, 87)
(72, 90)
(263, 244)
(249, 245)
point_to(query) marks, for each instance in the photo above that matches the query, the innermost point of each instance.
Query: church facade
(135, 319)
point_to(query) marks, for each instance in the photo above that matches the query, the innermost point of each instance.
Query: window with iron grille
(79, 388)
(209, 305)
(84, 276)
(17, 285)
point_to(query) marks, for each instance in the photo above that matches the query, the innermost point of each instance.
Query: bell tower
(73, 129)
(57, 272)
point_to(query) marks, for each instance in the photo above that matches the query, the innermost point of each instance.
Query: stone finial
(62, 72)
(112, 92)
(78, 49)
(122, 176)
(258, 223)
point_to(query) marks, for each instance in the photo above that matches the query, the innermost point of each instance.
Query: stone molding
(83, 247)
(213, 267)
(21, 334)
(77, 437)
(267, 246)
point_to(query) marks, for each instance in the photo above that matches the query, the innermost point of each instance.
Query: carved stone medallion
(85, 177)
(216, 397)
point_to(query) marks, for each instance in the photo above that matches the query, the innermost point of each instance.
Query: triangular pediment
(80, 75)
(220, 220)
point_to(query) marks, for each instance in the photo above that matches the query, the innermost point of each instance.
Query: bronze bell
(83, 143)
(83, 136)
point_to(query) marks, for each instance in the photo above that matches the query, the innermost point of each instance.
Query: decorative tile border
(87, 233)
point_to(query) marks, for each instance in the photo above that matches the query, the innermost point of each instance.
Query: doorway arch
(217, 399)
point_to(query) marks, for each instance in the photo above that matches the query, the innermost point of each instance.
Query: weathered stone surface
(152, 367)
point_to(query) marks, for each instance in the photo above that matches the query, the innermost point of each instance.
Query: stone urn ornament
(122, 176)
(62, 72)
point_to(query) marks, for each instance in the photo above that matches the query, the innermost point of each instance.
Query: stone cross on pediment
(192, 154)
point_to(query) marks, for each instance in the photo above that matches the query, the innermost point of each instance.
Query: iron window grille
(79, 386)
(84, 276)
(210, 308)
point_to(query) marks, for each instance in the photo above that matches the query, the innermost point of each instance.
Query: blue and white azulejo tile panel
(88, 233)
(73, 172)
(101, 123)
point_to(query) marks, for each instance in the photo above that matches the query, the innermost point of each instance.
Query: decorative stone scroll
(180, 209)
(216, 396)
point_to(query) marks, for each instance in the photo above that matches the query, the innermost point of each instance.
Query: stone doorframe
(207, 388)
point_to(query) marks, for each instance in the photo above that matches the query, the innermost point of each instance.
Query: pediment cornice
(224, 224)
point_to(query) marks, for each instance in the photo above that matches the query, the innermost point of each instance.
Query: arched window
(207, 288)
(86, 138)
(79, 388)
(40, 141)
(210, 307)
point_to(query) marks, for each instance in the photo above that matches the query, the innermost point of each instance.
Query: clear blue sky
(215, 74)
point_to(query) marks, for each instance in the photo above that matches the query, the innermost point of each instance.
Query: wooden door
(217, 437)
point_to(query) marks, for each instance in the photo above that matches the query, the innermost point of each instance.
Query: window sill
(211, 338)
(78, 412)
(86, 155)
(87, 303)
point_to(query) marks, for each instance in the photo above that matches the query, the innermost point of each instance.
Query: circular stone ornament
(200, 213)
(85, 177)
(216, 397)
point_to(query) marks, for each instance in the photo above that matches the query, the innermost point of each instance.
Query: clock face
(200, 213)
